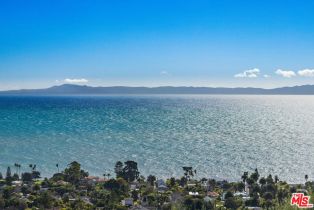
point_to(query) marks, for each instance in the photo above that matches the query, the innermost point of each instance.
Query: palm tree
(16, 167)
(245, 176)
(57, 165)
(107, 175)
(19, 166)
(262, 181)
(32, 167)
(306, 177)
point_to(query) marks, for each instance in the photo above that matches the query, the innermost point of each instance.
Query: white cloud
(266, 76)
(306, 73)
(286, 74)
(164, 73)
(82, 80)
(251, 73)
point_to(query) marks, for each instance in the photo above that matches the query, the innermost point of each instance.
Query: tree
(253, 201)
(80, 204)
(228, 195)
(306, 177)
(107, 175)
(73, 173)
(15, 177)
(268, 196)
(16, 167)
(134, 195)
(112, 185)
(245, 176)
(8, 174)
(208, 206)
(240, 186)
(32, 167)
(172, 182)
(1, 177)
(118, 169)
(45, 200)
(250, 181)
(183, 181)
(269, 179)
(276, 179)
(262, 181)
(36, 187)
(7, 192)
(188, 202)
(27, 177)
(255, 175)
(57, 165)
(281, 195)
(233, 203)
(198, 204)
(2, 202)
(35, 174)
(119, 186)
(188, 172)
(151, 180)
(130, 171)
(8, 177)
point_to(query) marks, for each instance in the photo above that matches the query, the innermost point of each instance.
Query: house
(247, 188)
(86, 200)
(161, 185)
(212, 194)
(134, 186)
(193, 193)
(206, 186)
(243, 195)
(92, 180)
(61, 182)
(223, 196)
(191, 184)
(17, 183)
(127, 202)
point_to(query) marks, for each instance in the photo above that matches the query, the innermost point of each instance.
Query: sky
(156, 43)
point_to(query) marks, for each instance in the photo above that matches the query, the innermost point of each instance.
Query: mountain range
(70, 89)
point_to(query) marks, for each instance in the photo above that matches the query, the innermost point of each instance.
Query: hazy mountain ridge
(70, 89)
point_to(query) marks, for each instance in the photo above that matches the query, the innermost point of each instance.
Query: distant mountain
(68, 89)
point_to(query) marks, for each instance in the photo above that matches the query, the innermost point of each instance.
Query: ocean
(221, 136)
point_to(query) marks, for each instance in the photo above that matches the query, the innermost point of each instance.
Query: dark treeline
(74, 188)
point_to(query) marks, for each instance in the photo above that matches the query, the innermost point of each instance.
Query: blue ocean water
(220, 136)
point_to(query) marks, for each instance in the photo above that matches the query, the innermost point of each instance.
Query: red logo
(301, 200)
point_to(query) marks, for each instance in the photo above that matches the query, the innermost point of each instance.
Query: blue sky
(152, 43)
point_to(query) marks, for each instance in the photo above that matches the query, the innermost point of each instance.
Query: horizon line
(152, 87)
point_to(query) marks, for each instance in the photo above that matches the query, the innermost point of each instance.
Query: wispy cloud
(306, 73)
(251, 73)
(266, 76)
(165, 73)
(82, 80)
(285, 73)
